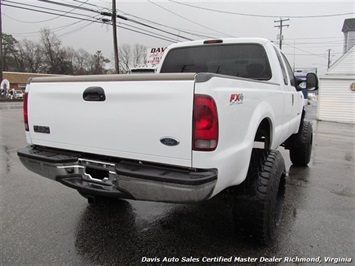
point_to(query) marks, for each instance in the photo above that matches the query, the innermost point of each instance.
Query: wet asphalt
(45, 223)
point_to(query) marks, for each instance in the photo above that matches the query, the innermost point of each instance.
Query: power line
(315, 38)
(140, 31)
(309, 53)
(165, 38)
(312, 43)
(86, 3)
(153, 22)
(320, 55)
(55, 29)
(80, 7)
(67, 5)
(75, 30)
(194, 22)
(46, 12)
(147, 34)
(155, 28)
(258, 15)
(145, 25)
(46, 8)
(199, 34)
(110, 15)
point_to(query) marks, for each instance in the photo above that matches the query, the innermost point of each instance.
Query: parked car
(18, 94)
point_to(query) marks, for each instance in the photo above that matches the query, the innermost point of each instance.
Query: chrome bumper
(119, 178)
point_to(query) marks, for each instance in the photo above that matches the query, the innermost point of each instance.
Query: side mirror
(311, 82)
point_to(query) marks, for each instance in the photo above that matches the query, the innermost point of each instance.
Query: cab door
(297, 102)
(288, 97)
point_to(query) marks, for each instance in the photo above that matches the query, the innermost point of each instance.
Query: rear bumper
(113, 177)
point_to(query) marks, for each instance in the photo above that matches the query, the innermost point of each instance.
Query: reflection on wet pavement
(45, 223)
(10, 106)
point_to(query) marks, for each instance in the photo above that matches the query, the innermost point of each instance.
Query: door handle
(94, 94)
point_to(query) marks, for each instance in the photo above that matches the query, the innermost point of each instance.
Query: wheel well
(263, 134)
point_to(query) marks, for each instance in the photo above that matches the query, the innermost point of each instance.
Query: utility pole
(281, 25)
(115, 44)
(1, 59)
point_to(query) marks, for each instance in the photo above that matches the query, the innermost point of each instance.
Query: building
(336, 98)
(18, 80)
(349, 34)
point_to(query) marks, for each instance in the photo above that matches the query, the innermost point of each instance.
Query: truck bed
(114, 115)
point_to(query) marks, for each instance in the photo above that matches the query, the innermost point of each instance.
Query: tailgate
(142, 117)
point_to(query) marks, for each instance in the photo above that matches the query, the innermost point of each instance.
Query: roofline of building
(340, 59)
(349, 25)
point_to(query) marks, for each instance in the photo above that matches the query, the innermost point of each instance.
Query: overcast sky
(314, 26)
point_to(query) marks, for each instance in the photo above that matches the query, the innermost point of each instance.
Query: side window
(290, 72)
(282, 66)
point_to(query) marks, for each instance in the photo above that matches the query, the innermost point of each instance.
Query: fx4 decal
(236, 98)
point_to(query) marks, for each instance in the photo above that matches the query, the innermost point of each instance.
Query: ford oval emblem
(168, 141)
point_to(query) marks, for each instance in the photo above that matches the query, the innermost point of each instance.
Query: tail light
(212, 41)
(25, 111)
(205, 124)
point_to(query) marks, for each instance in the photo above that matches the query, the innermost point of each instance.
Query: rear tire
(259, 199)
(300, 145)
(93, 200)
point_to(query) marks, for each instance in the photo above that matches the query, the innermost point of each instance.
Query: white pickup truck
(208, 122)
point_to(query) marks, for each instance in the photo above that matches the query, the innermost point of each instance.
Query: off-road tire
(97, 200)
(300, 145)
(259, 199)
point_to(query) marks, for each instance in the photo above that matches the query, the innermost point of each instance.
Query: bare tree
(49, 56)
(82, 62)
(51, 49)
(9, 52)
(32, 56)
(55, 54)
(131, 56)
(139, 54)
(97, 63)
(125, 57)
(70, 54)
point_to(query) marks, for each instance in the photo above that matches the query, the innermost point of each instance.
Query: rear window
(238, 60)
